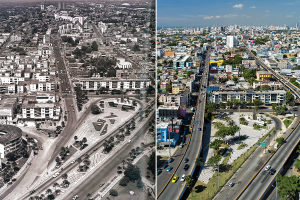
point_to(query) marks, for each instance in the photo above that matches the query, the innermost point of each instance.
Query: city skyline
(200, 14)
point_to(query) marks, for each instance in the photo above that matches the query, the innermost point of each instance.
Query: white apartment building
(232, 41)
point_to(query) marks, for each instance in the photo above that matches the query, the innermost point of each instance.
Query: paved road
(172, 190)
(116, 158)
(104, 173)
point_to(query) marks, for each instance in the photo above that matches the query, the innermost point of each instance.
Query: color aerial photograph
(228, 79)
(77, 100)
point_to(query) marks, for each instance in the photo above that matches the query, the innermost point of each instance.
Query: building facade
(276, 96)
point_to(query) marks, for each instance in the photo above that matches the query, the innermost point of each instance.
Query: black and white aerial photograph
(77, 100)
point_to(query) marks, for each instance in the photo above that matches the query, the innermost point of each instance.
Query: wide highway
(171, 191)
(262, 180)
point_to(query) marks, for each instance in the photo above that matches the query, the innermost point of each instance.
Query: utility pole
(239, 124)
(218, 176)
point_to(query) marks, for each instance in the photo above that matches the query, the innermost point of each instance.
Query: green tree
(257, 102)
(189, 73)
(189, 181)
(169, 88)
(289, 97)
(284, 56)
(251, 73)
(229, 104)
(151, 163)
(215, 144)
(297, 165)
(288, 186)
(237, 102)
(266, 87)
(198, 161)
(214, 160)
(279, 141)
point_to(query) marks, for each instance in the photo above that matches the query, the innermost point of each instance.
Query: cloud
(218, 16)
(252, 7)
(209, 17)
(267, 11)
(288, 4)
(247, 16)
(190, 15)
(171, 19)
(289, 16)
(231, 15)
(238, 6)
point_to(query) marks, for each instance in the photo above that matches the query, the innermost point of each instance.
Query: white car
(55, 175)
(72, 161)
(268, 167)
(182, 177)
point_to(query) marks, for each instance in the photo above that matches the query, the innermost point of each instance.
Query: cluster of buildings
(180, 60)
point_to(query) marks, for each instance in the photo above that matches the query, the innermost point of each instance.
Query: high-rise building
(232, 41)
(59, 6)
(296, 25)
(42, 7)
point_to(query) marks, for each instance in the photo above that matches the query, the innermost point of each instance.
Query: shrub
(113, 192)
(124, 181)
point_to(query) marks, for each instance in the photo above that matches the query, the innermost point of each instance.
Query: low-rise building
(264, 76)
(269, 96)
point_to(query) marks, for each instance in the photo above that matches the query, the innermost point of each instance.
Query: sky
(199, 13)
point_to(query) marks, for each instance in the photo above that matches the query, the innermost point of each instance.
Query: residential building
(276, 96)
(264, 76)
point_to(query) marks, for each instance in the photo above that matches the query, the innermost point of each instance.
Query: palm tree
(66, 183)
(75, 138)
(55, 185)
(64, 176)
(49, 191)
(37, 197)
(86, 156)
(198, 161)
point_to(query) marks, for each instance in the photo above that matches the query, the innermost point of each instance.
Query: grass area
(225, 160)
(287, 122)
(208, 191)
(241, 146)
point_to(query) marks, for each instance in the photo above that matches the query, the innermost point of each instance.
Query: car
(295, 109)
(159, 171)
(73, 110)
(169, 168)
(186, 167)
(199, 129)
(55, 175)
(186, 160)
(75, 197)
(175, 178)
(171, 160)
(199, 101)
(268, 167)
(72, 161)
(182, 177)
(231, 184)
(272, 171)
(165, 166)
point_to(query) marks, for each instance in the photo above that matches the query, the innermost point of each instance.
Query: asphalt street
(74, 166)
(104, 173)
(172, 190)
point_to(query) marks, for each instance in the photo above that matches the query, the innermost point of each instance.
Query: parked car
(159, 171)
(169, 168)
(164, 166)
(231, 184)
(171, 160)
